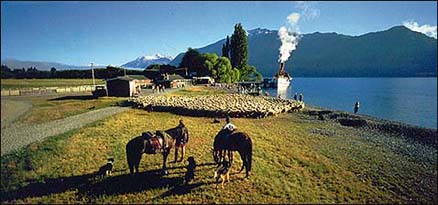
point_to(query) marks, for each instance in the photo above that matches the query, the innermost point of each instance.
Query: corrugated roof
(129, 78)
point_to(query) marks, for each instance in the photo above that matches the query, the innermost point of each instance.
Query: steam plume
(289, 37)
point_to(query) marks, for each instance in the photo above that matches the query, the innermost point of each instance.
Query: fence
(47, 90)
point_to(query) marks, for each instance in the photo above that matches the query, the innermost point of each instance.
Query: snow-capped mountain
(260, 31)
(145, 61)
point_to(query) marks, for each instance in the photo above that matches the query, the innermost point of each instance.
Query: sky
(77, 33)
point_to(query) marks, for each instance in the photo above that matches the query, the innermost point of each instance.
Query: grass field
(38, 83)
(49, 108)
(297, 159)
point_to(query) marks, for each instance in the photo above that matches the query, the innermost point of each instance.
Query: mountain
(396, 52)
(19, 64)
(145, 61)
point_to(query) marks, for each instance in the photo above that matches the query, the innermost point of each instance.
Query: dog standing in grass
(223, 173)
(106, 169)
(190, 174)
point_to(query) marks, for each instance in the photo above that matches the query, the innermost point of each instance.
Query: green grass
(49, 108)
(38, 83)
(296, 160)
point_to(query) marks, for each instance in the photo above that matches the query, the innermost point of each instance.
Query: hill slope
(396, 52)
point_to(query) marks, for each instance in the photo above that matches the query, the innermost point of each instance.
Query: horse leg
(165, 154)
(137, 162)
(242, 156)
(176, 154)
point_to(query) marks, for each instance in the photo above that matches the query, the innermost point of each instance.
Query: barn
(176, 81)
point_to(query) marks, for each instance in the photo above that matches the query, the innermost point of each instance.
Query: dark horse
(162, 142)
(237, 141)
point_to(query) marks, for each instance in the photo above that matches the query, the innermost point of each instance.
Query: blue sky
(78, 33)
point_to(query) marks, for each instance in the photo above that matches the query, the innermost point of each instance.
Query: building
(203, 80)
(141, 80)
(175, 81)
(126, 86)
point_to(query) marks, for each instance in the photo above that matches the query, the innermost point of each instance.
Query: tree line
(231, 67)
(33, 72)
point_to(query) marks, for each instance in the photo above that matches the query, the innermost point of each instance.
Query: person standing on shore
(356, 107)
(295, 96)
(301, 97)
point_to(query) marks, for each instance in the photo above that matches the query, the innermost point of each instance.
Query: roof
(125, 78)
(129, 78)
(175, 77)
(138, 77)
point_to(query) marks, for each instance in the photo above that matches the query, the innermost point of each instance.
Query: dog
(190, 174)
(222, 173)
(107, 169)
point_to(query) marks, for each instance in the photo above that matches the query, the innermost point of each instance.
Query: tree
(192, 60)
(226, 48)
(239, 47)
(209, 60)
(53, 72)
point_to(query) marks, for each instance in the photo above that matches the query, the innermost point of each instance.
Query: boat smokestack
(281, 68)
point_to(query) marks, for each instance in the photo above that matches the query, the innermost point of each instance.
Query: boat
(281, 79)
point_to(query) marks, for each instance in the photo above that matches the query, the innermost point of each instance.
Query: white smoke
(289, 43)
(293, 18)
(289, 35)
(425, 29)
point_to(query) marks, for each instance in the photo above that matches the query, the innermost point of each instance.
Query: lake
(408, 100)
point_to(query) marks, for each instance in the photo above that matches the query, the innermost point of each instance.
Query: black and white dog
(106, 169)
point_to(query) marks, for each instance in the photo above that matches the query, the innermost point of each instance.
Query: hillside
(40, 65)
(396, 52)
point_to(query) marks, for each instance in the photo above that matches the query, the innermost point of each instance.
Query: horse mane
(173, 132)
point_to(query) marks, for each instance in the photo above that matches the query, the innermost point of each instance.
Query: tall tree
(226, 48)
(239, 47)
(192, 60)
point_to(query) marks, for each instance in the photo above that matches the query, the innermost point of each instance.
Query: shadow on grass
(74, 97)
(87, 185)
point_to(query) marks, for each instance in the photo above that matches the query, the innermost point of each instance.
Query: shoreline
(427, 136)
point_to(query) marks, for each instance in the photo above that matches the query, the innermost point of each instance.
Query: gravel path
(15, 137)
(11, 110)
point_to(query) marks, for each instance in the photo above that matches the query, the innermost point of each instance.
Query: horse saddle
(153, 143)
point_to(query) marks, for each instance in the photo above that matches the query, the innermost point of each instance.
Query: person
(228, 128)
(301, 97)
(295, 96)
(356, 107)
(181, 142)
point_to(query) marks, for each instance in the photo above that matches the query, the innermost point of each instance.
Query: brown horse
(162, 142)
(237, 141)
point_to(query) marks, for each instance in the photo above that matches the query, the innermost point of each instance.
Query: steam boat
(282, 78)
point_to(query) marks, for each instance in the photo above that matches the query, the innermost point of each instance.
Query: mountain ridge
(395, 52)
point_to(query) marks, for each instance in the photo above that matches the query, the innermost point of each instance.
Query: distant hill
(40, 65)
(396, 52)
(145, 61)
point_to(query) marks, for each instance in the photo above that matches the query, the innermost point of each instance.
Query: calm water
(409, 100)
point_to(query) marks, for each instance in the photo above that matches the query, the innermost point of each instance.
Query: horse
(237, 141)
(148, 143)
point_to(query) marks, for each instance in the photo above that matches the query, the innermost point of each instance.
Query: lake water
(408, 100)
